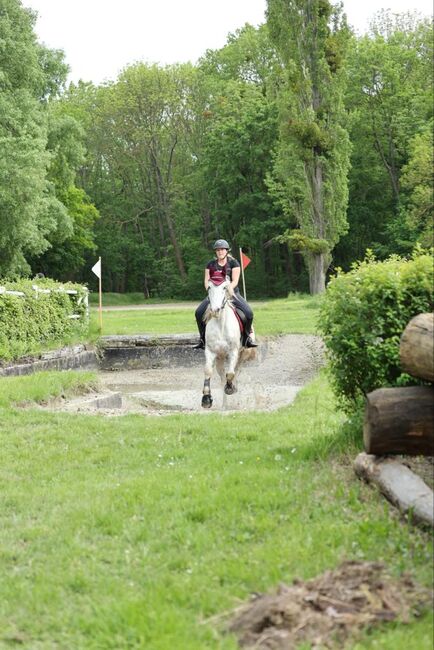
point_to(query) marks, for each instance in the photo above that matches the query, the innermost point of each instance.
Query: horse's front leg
(209, 366)
(230, 387)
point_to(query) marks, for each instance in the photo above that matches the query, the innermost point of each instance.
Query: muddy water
(282, 366)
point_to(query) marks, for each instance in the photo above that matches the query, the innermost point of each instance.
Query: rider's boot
(248, 342)
(201, 344)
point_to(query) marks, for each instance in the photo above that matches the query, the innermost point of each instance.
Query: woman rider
(217, 270)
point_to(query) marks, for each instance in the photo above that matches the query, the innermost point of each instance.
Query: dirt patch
(329, 610)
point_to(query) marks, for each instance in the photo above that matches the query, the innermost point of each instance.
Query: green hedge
(362, 317)
(29, 322)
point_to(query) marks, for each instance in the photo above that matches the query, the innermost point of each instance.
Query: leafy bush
(30, 321)
(362, 317)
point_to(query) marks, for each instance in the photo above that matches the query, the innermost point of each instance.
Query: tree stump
(400, 421)
(417, 347)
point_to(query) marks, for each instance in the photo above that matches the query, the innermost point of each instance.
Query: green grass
(133, 532)
(133, 298)
(294, 315)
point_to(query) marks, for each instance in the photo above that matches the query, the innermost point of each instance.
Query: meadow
(139, 532)
(296, 314)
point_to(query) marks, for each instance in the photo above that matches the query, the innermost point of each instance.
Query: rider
(217, 270)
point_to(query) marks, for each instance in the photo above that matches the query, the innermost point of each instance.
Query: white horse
(222, 339)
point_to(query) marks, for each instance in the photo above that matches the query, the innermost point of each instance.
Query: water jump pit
(164, 375)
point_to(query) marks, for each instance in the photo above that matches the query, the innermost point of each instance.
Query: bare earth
(282, 366)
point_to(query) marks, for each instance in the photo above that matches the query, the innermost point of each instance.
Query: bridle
(215, 313)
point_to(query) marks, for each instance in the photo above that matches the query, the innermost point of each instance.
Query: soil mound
(329, 610)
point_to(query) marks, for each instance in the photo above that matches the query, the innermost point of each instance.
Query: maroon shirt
(217, 273)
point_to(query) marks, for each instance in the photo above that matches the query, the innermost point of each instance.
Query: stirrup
(200, 345)
(249, 343)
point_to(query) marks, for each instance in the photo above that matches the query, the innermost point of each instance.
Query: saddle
(241, 318)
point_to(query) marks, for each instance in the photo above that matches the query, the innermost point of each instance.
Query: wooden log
(400, 421)
(399, 484)
(417, 347)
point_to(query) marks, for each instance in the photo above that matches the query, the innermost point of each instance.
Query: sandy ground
(282, 366)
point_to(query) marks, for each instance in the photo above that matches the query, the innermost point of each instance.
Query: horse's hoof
(207, 401)
(230, 389)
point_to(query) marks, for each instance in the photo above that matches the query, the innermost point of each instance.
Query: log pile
(401, 420)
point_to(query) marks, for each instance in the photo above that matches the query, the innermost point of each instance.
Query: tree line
(298, 141)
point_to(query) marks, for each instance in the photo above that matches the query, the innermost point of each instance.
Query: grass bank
(134, 532)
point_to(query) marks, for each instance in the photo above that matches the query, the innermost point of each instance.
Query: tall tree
(29, 208)
(309, 179)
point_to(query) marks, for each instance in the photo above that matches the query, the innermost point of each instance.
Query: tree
(417, 181)
(309, 180)
(29, 208)
(389, 101)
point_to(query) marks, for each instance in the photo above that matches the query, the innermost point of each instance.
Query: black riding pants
(238, 301)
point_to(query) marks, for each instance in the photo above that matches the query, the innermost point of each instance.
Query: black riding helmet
(221, 243)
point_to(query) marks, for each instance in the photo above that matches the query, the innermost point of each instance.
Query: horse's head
(218, 295)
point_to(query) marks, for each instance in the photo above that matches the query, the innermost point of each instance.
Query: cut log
(417, 347)
(399, 484)
(400, 421)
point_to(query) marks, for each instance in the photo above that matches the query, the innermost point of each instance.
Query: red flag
(245, 260)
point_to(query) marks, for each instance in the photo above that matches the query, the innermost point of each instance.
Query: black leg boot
(248, 342)
(201, 344)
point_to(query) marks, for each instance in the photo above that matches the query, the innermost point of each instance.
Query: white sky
(100, 37)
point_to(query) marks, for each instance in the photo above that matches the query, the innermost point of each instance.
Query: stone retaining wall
(68, 358)
(115, 353)
(123, 352)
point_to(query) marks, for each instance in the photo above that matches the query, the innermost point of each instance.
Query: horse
(222, 339)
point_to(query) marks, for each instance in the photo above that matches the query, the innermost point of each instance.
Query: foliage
(309, 178)
(37, 318)
(250, 144)
(144, 532)
(363, 316)
(418, 179)
(390, 103)
(29, 208)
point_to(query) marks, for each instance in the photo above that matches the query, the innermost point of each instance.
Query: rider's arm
(206, 279)
(235, 276)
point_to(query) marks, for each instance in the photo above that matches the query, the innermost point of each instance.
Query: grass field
(134, 532)
(296, 314)
(138, 532)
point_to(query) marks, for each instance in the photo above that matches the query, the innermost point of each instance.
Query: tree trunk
(399, 484)
(316, 273)
(165, 211)
(417, 347)
(400, 421)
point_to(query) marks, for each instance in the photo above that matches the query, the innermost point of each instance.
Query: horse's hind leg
(206, 392)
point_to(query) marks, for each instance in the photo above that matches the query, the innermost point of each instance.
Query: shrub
(362, 317)
(37, 318)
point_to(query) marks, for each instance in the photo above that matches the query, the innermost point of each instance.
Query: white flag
(96, 268)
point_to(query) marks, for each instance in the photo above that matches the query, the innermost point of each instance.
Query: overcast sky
(100, 37)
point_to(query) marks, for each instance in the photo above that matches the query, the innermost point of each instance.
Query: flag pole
(242, 273)
(100, 297)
